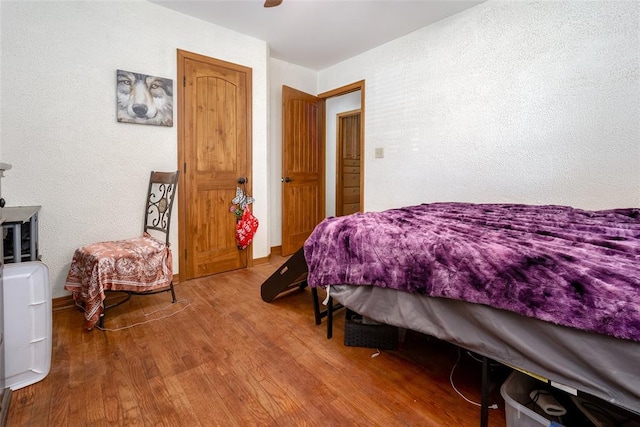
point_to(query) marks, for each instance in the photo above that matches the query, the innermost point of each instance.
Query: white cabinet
(5, 392)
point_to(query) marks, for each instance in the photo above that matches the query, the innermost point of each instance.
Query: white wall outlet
(379, 153)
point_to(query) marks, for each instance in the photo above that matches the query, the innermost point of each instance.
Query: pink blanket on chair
(139, 265)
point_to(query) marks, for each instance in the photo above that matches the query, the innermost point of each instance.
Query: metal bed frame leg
(330, 319)
(328, 312)
(316, 306)
(484, 408)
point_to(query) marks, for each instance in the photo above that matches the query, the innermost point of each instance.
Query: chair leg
(173, 293)
(100, 322)
(101, 318)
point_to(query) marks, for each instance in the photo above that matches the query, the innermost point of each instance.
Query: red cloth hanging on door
(246, 228)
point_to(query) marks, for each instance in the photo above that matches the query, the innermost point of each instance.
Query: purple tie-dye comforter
(563, 265)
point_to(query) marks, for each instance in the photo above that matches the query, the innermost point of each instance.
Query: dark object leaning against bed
(560, 265)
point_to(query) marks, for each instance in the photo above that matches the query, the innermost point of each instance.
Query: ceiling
(316, 34)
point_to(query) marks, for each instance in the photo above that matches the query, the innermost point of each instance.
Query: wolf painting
(144, 99)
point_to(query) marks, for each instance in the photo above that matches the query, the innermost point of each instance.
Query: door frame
(343, 90)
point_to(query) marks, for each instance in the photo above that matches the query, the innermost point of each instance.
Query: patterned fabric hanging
(246, 222)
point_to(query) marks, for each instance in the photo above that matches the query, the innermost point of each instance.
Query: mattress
(559, 264)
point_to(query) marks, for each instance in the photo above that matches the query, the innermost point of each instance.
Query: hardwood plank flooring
(222, 356)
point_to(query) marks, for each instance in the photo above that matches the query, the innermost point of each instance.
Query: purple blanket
(563, 265)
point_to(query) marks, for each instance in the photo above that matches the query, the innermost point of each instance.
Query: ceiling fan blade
(272, 3)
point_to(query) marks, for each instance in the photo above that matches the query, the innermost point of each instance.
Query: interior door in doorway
(214, 151)
(348, 163)
(302, 167)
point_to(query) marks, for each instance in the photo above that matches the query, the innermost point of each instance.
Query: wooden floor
(222, 356)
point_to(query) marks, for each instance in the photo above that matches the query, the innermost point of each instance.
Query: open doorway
(344, 172)
(348, 156)
(343, 150)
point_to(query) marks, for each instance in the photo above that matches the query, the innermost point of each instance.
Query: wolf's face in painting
(144, 99)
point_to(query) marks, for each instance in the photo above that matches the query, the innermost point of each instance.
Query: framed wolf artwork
(144, 99)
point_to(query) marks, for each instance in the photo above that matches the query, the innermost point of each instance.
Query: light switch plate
(379, 153)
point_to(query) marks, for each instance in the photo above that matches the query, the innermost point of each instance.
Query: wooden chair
(137, 266)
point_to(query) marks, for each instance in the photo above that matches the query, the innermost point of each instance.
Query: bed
(551, 290)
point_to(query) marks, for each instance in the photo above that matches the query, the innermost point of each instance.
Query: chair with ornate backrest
(137, 266)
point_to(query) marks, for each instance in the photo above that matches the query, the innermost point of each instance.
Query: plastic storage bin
(27, 323)
(515, 392)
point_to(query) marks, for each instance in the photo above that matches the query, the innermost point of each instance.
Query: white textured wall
(532, 102)
(58, 124)
(506, 102)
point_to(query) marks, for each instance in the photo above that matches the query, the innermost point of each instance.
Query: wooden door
(302, 167)
(348, 167)
(214, 152)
